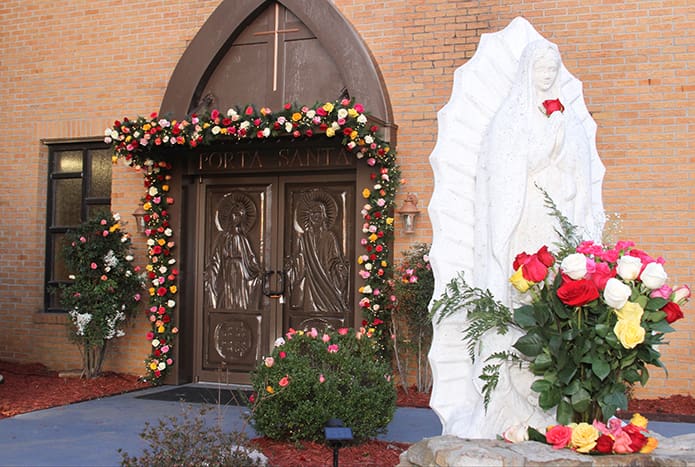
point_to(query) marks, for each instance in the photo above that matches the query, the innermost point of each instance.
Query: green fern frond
(568, 233)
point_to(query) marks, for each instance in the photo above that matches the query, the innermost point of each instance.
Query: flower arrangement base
(453, 451)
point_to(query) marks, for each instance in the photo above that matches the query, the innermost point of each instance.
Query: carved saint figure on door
(317, 268)
(232, 273)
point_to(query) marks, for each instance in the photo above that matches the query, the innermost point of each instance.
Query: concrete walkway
(90, 433)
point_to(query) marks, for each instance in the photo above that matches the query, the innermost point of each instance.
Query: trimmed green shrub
(313, 376)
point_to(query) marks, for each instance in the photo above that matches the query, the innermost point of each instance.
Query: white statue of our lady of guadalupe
(532, 132)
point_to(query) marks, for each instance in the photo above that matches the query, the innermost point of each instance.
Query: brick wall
(69, 69)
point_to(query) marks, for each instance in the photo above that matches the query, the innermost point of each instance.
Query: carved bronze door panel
(276, 252)
(318, 254)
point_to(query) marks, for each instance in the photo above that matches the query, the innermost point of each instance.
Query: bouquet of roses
(593, 325)
(612, 437)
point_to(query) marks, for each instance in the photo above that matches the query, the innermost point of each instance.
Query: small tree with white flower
(105, 289)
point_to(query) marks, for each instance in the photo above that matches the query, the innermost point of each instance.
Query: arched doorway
(269, 229)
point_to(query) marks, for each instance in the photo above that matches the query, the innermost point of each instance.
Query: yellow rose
(352, 113)
(296, 116)
(652, 444)
(153, 366)
(389, 220)
(373, 237)
(584, 437)
(330, 132)
(173, 289)
(165, 187)
(270, 389)
(366, 193)
(384, 264)
(354, 134)
(146, 127)
(631, 311)
(629, 333)
(518, 281)
(114, 227)
(206, 125)
(147, 206)
(160, 329)
(151, 291)
(639, 420)
(114, 159)
(328, 107)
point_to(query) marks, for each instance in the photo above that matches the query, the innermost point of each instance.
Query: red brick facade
(70, 68)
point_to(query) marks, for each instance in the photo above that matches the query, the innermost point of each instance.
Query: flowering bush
(105, 288)
(311, 377)
(612, 437)
(413, 285)
(142, 143)
(593, 325)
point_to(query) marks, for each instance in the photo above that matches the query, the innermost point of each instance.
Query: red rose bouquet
(593, 324)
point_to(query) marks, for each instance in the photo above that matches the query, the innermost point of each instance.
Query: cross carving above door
(276, 33)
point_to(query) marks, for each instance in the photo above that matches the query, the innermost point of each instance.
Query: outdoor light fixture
(409, 211)
(139, 215)
(336, 434)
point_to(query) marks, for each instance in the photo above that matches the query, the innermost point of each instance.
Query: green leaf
(529, 345)
(566, 374)
(524, 317)
(580, 400)
(602, 329)
(564, 412)
(600, 368)
(656, 304)
(661, 326)
(541, 385)
(541, 363)
(535, 435)
(573, 387)
(550, 398)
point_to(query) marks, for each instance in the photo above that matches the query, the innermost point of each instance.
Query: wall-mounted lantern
(139, 215)
(409, 211)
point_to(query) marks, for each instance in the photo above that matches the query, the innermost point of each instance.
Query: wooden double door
(273, 252)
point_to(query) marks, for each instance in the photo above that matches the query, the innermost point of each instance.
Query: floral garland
(142, 143)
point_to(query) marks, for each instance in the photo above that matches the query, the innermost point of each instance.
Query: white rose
(155, 342)
(342, 113)
(653, 276)
(616, 293)
(574, 265)
(279, 341)
(516, 434)
(216, 130)
(161, 366)
(153, 191)
(362, 118)
(629, 267)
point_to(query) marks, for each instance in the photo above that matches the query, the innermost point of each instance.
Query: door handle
(268, 290)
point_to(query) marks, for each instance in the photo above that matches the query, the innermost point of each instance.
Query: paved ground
(90, 433)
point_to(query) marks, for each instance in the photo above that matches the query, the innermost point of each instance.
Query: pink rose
(622, 442)
(343, 331)
(600, 275)
(559, 436)
(284, 381)
(663, 292)
(322, 379)
(326, 338)
(333, 348)
(681, 294)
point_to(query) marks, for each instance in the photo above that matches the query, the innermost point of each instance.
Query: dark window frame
(88, 146)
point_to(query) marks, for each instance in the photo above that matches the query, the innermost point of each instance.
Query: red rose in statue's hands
(673, 312)
(577, 293)
(553, 105)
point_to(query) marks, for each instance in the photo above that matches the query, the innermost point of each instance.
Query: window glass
(68, 161)
(67, 202)
(100, 183)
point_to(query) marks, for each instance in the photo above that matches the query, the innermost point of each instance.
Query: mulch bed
(29, 387)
